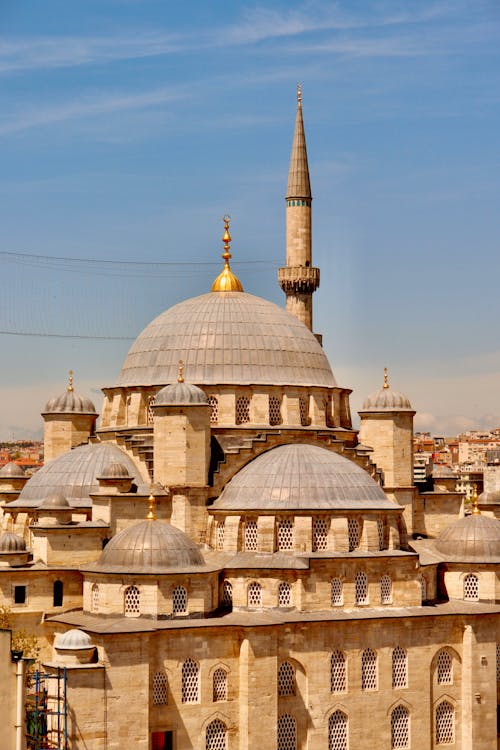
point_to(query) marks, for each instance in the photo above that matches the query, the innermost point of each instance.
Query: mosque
(224, 563)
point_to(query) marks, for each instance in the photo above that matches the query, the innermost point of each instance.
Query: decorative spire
(180, 376)
(299, 185)
(152, 502)
(70, 382)
(386, 378)
(475, 509)
(227, 281)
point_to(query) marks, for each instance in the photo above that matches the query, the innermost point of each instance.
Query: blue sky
(129, 127)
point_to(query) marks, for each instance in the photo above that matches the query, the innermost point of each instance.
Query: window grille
(284, 594)
(368, 670)
(381, 534)
(444, 668)
(254, 595)
(242, 410)
(151, 414)
(423, 588)
(274, 410)
(285, 534)
(220, 685)
(94, 598)
(338, 676)
(337, 592)
(251, 534)
(445, 724)
(400, 728)
(216, 735)
(320, 533)
(160, 689)
(471, 587)
(213, 403)
(220, 534)
(227, 594)
(132, 601)
(304, 411)
(337, 731)
(190, 682)
(353, 533)
(286, 679)
(498, 662)
(361, 588)
(287, 733)
(385, 590)
(399, 668)
(179, 600)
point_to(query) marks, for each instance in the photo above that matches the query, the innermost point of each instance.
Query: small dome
(490, 497)
(302, 477)
(55, 501)
(11, 470)
(12, 543)
(115, 470)
(386, 399)
(149, 547)
(74, 640)
(69, 403)
(180, 394)
(474, 538)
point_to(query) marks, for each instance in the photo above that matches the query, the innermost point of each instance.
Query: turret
(69, 420)
(298, 278)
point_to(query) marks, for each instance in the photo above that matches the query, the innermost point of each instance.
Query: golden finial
(70, 382)
(152, 502)
(180, 376)
(299, 95)
(475, 509)
(386, 378)
(227, 281)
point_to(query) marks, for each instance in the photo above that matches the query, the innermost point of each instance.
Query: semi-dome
(10, 542)
(73, 640)
(386, 399)
(74, 474)
(149, 547)
(302, 477)
(12, 470)
(474, 538)
(180, 394)
(224, 338)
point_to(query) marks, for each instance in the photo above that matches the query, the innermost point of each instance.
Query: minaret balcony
(298, 279)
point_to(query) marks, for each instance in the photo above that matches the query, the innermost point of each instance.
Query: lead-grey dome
(11, 469)
(489, 497)
(227, 338)
(149, 547)
(116, 470)
(387, 399)
(302, 477)
(474, 538)
(73, 640)
(74, 474)
(180, 394)
(69, 403)
(10, 542)
(55, 501)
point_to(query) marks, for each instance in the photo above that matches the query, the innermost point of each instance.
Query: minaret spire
(298, 278)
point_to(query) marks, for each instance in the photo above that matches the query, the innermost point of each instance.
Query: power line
(7, 254)
(66, 336)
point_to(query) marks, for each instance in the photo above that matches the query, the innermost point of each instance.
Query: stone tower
(298, 278)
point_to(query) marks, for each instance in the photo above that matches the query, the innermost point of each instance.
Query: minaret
(298, 278)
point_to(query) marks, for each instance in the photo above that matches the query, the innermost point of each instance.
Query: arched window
(286, 679)
(150, 414)
(361, 588)
(400, 728)
(304, 410)
(381, 534)
(213, 403)
(251, 536)
(94, 598)
(423, 588)
(220, 533)
(132, 601)
(284, 594)
(274, 411)
(444, 668)
(216, 735)
(287, 733)
(445, 724)
(320, 533)
(285, 533)
(353, 533)
(399, 668)
(337, 592)
(160, 689)
(385, 590)
(227, 595)
(254, 595)
(338, 676)
(242, 410)
(58, 593)
(190, 682)
(368, 670)
(179, 600)
(471, 587)
(338, 731)
(220, 685)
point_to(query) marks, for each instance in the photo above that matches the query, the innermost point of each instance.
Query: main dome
(230, 338)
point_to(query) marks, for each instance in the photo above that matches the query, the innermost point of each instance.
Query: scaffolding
(46, 711)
